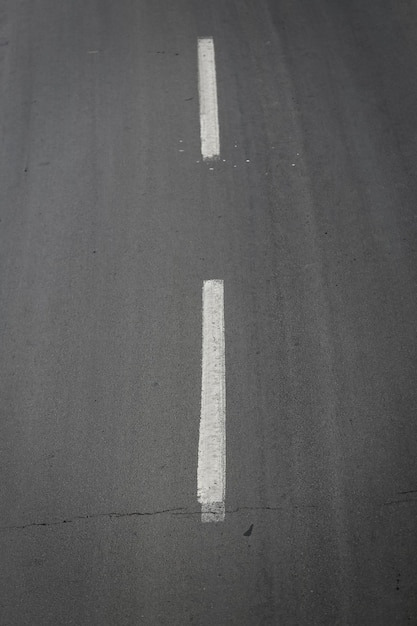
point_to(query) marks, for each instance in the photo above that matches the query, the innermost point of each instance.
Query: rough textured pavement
(110, 223)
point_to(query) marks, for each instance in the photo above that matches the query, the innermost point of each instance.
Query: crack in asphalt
(77, 518)
(405, 500)
(177, 511)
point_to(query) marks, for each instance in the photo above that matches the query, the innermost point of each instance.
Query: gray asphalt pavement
(109, 224)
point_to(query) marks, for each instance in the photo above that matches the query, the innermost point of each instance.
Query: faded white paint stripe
(211, 474)
(207, 88)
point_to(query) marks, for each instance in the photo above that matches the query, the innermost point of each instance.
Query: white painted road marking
(211, 473)
(207, 88)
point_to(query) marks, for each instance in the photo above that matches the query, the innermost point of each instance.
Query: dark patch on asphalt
(249, 531)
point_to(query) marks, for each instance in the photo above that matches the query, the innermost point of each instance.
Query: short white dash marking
(211, 473)
(207, 87)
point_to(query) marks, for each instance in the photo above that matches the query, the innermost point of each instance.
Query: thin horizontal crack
(255, 508)
(177, 511)
(78, 518)
(400, 501)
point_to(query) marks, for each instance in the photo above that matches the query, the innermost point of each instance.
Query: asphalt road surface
(111, 221)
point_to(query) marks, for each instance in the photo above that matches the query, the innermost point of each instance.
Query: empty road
(208, 313)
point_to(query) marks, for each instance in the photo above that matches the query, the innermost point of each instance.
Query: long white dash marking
(211, 474)
(207, 88)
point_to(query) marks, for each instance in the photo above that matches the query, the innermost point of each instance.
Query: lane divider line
(211, 472)
(207, 89)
